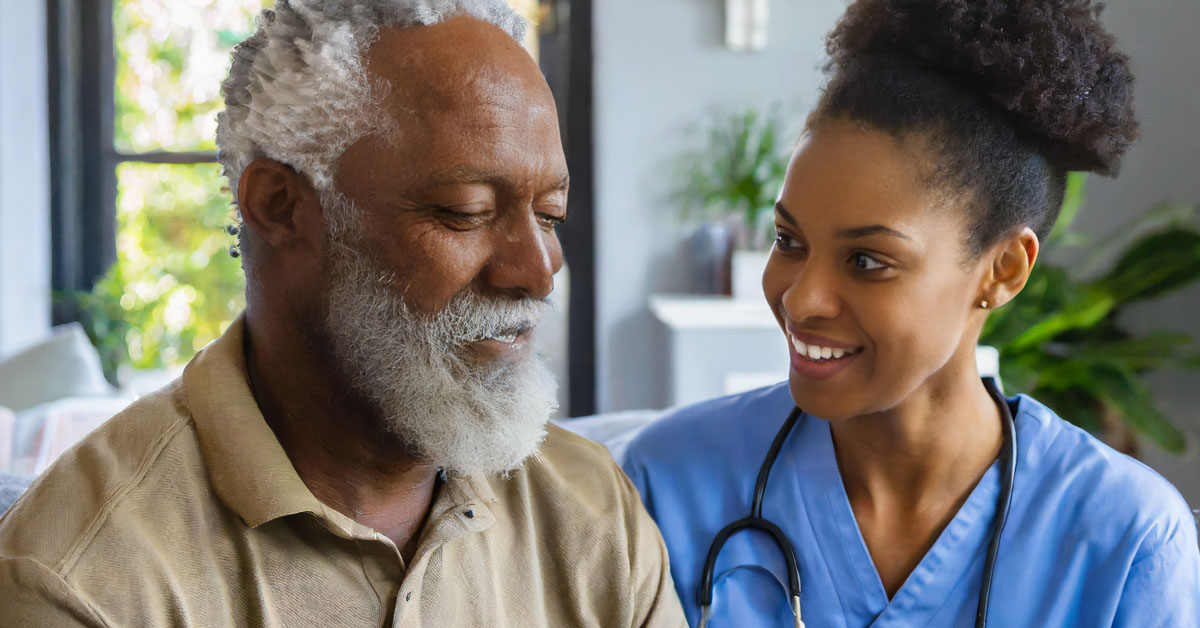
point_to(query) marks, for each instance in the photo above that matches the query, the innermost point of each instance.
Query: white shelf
(720, 345)
(691, 312)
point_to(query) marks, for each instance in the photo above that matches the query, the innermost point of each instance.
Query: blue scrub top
(1094, 538)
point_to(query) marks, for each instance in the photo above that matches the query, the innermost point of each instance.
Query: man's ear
(1012, 261)
(279, 205)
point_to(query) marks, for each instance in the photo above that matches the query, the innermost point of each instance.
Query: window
(138, 206)
(173, 287)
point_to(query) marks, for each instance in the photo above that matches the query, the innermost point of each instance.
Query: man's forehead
(460, 62)
(461, 94)
(457, 175)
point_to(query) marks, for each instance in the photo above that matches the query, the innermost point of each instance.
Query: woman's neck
(907, 471)
(939, 441)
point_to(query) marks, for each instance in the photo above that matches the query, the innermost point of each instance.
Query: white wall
(24, 176)
(660, 64)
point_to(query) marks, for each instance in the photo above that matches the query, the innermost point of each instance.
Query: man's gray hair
(298, 90)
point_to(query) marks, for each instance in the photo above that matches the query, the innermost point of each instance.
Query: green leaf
(1073, 199)
(736, 171)
(1126, 394)
(1095, 305)
(1155, 351)
(1154, 265)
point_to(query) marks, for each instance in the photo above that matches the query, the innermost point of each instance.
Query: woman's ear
(279, 206)
(1012, 261)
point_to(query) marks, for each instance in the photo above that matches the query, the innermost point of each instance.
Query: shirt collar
(247, 466)
(250, 471)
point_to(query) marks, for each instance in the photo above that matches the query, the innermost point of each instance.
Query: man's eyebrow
(870, 230)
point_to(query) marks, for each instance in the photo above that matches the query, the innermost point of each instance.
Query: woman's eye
(865, 262)
(785, 242)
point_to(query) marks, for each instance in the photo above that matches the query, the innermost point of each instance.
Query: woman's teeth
(815, 352)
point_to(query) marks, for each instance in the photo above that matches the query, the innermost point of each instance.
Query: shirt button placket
(405, 615)
(408, 597)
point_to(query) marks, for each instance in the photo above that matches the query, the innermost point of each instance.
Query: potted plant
(1062, 339)
(731, 182)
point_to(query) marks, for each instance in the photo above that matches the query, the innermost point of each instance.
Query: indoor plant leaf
(1127, 395)
(1061, 338)
(1155, 264)
(1073, 198)
(1093, 306)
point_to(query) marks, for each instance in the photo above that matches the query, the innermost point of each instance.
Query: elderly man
(367, 444)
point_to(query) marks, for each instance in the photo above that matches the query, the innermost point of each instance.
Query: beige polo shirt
(184, 510)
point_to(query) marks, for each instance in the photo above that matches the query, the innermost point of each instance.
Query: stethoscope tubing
(756, 521)
(1008, 454)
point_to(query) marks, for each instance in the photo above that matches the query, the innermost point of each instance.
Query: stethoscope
(755, 521)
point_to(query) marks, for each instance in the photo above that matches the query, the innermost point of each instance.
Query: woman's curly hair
(1013, 93)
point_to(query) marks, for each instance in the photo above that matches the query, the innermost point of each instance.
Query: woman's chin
(821, 399)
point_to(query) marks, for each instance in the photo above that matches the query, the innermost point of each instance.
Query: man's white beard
(460, 414)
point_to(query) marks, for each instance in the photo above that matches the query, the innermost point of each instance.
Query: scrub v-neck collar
(956, 555)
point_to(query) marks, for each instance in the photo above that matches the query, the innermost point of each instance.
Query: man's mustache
(470, 317)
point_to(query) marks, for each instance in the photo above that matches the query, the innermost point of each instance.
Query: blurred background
(677, 116)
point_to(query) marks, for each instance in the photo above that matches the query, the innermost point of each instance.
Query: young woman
(912, 493)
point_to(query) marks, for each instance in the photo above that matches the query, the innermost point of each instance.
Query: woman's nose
(812, 294)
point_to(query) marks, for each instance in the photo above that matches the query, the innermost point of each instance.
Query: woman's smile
(817, 357)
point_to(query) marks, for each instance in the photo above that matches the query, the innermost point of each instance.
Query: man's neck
(339, 447)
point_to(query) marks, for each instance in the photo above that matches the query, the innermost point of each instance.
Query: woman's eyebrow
(785, 213)
(862, 232)
(847, 234)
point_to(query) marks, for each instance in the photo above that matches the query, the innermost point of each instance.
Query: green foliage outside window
(174, 287)
(171, 58)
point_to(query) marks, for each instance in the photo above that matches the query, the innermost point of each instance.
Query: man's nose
(525, 257)
(812, 295)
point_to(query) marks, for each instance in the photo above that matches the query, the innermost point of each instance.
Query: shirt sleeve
(655, 603)
(636, 473)
(34, 597)
(1163, 585)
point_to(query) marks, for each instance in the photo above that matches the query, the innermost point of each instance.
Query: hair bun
(1049, 63)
